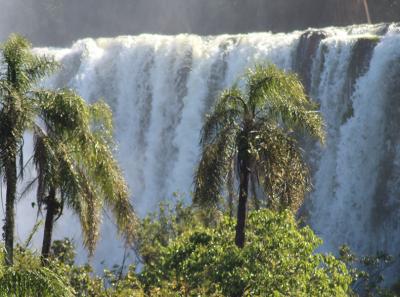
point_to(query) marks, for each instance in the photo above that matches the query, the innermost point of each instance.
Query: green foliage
(25, 68)
(159, 228)
(61, 278)
(74, 155)
(256, 125)
(28, 278)
(279, 260)
(17, 100)
(63, 251)
(86, 284)
(190, 259)
(18, 282)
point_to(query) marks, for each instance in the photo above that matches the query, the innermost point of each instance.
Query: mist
(60, 22)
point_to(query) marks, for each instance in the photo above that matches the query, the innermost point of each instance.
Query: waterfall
(161, 87)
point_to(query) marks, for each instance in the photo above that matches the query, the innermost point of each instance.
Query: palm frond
(225, 113)
(101, 118)
(17, 282)
(280, 96)
(263, 116)
(5, 89)
(90, 215)
(39, 67)
(63, 112)
(24, 67)
(112, 186)
(41, 159)
(29, 187)
(215, 163)
(281, 170)
(34, 230)
(77, 191)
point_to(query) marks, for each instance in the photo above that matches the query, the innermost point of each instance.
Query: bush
(28, 278)
(278, 259)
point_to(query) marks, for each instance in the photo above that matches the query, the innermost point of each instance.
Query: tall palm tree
(254, 131)
(75, 164)
(19, 72)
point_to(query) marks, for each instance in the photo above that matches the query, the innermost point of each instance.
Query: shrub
(278, 259)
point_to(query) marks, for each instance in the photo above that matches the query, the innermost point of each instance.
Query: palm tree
(251, 133)
(19, 73)
(75, 164)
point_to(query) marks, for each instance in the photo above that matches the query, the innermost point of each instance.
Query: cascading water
(160, 88)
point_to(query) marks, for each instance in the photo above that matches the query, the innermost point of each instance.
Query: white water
(160, 88)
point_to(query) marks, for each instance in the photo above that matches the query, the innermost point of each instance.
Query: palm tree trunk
(243, 194)
(254, 192)
(49, 224)
(231, 194)
(11, 183)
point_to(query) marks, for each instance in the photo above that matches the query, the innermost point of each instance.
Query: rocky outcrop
(305, 53)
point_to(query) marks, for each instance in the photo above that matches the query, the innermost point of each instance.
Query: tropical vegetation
(280, 260)
(73, 150)
(183, 255)
(250, 134)
(196, 261)
(250, 141)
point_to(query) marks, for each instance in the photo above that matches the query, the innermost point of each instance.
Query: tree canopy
(280, 260)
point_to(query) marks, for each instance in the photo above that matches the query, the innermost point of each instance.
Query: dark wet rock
(305, 53)
(215, 83)
(359, 64)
